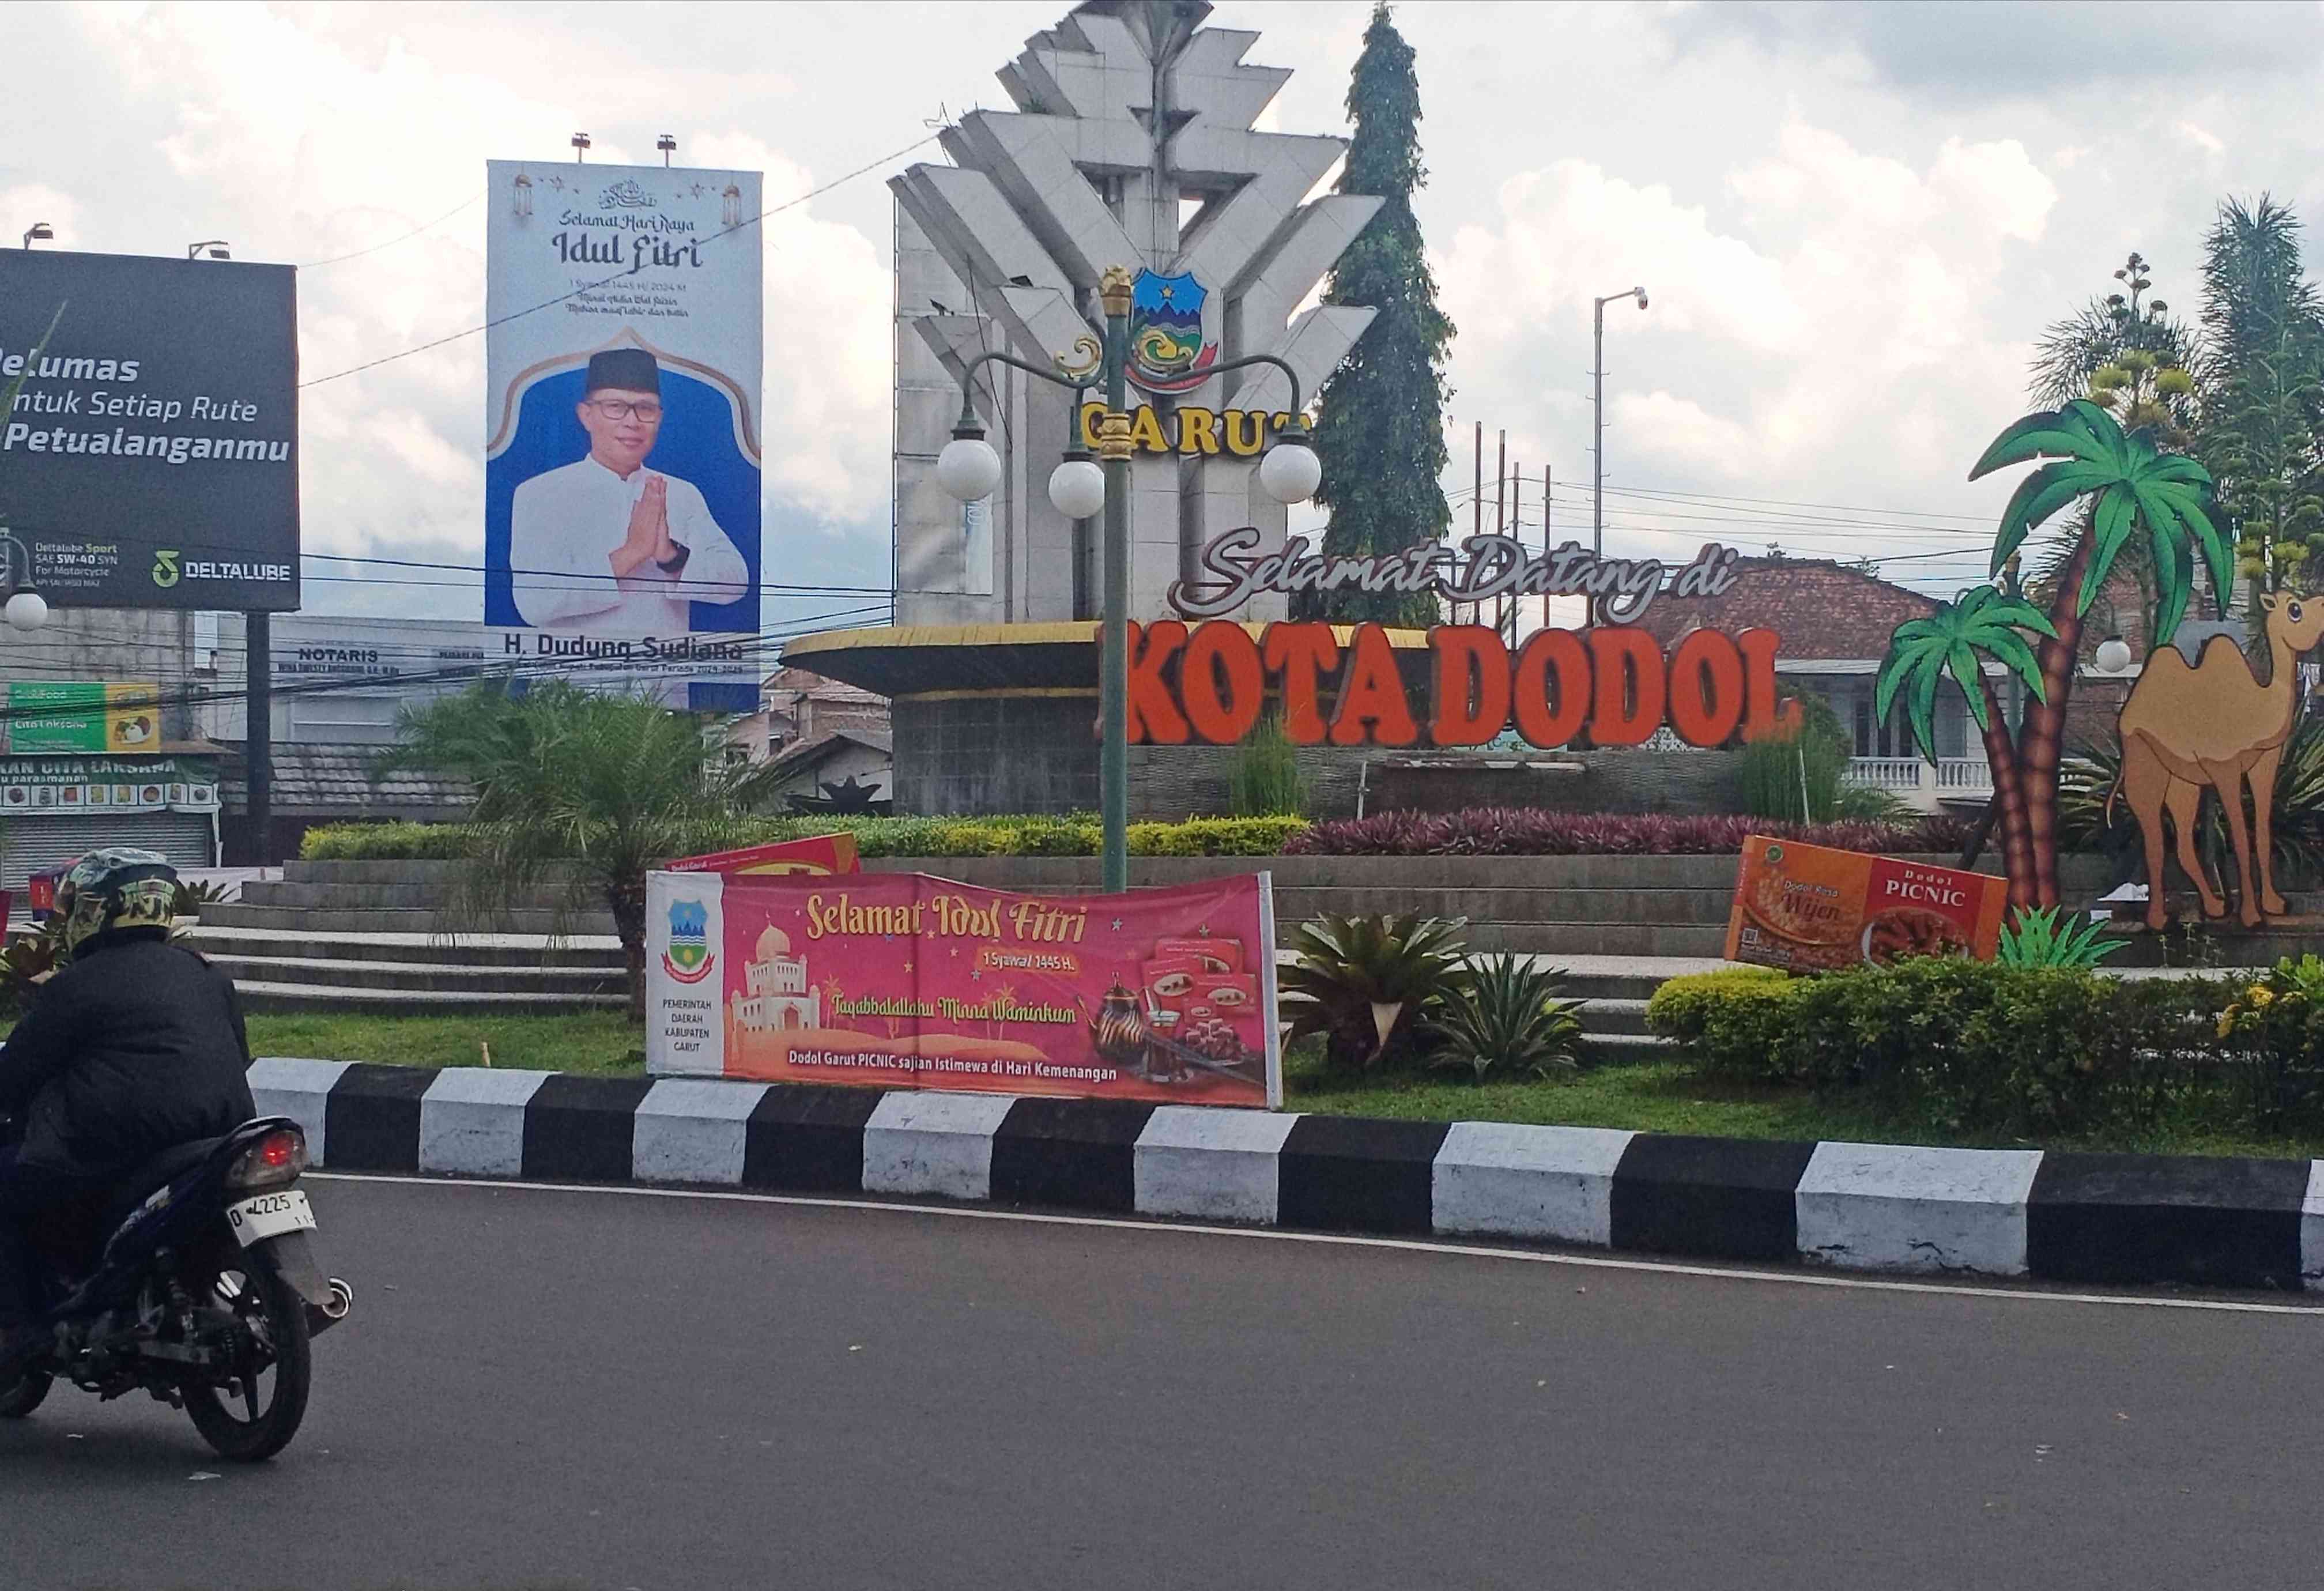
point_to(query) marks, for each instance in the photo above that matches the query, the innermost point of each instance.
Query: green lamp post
(968, 469)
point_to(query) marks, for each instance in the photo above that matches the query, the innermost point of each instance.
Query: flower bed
(1532, 831)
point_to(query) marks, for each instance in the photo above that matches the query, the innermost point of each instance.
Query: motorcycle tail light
(271, 1163)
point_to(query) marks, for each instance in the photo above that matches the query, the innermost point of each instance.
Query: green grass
(1667, 1097)
(595, 1043)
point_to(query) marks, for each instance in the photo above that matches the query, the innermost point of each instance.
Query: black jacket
(134, 1048)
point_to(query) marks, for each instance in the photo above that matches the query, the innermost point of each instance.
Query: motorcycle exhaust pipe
(322, 1317)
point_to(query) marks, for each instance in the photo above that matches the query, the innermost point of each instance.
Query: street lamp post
(968, 469)
(1598, 425)
(39, 232)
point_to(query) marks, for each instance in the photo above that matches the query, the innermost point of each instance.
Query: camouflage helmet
(119, 887)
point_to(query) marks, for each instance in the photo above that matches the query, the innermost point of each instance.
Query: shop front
(54, 808)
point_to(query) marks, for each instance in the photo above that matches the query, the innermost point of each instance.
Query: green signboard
(79, 715)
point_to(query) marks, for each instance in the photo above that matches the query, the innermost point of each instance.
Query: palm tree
(2262, 435)
(1955, 639)
(2127, 484)
(604, 785)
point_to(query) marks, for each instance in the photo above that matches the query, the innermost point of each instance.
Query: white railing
(1921, 783)
(1886, 772)
(1968, 774)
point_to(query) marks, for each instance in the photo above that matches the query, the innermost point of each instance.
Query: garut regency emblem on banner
(1167, 353)
(688, 958)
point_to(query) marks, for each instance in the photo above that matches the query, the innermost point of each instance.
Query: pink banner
(902, 980)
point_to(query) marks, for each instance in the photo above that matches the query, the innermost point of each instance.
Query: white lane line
(1346, 1240)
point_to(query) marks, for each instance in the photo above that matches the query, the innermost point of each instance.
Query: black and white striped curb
(1997, 1212)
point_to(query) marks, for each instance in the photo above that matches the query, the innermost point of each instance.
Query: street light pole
(1598, 424)
(969, 469)
(1113, 634)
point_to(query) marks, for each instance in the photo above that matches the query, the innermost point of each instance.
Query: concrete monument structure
(1132, 144)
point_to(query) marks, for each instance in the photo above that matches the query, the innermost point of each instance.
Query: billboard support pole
(258, 737)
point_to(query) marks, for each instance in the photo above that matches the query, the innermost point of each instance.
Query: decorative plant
(1263, 778)
(2281, 1020)
(193, 896)
(1508, 1017)
(1982, 623)
(2128, 486)
(1371, 986)
(2036, 938)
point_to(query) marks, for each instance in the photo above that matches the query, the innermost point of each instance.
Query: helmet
(117, 888)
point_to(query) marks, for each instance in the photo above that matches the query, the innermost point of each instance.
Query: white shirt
(564, 529)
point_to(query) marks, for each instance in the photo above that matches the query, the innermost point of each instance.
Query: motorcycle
(207, 1294)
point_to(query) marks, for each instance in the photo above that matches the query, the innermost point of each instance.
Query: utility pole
(258, 735)
(1598, 424)
(1477, 511)
(1501, 508)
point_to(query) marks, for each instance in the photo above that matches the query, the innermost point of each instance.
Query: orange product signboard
(1808, 908)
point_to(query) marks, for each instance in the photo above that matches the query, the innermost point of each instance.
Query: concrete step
(1602, 1017)
(404, 920)
(495, 978)
(1625, 1048)
(275, 998)
(515, 951)
(1553, 939)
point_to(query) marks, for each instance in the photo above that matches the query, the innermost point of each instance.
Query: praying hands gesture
(647, 541)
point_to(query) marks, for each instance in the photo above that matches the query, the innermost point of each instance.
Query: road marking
(1348, 1240)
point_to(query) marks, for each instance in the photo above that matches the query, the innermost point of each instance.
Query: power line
(390, 243)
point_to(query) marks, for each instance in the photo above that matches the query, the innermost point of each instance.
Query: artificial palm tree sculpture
(1982, 623)
(2126, 483)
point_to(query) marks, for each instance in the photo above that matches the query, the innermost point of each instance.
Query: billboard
(898, 980)
(152, 458)
(622, 455)
(71, 716)
(1810, 908)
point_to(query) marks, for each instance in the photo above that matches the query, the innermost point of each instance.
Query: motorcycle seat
(157, 1173)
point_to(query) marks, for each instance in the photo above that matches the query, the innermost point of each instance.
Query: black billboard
(151, 458)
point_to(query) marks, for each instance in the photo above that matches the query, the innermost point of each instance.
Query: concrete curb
(2088, 1218)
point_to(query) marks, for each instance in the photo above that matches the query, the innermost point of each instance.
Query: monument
(1132, 142)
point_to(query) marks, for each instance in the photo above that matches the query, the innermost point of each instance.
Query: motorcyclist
(134, 1047)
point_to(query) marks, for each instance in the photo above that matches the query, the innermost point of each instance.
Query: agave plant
(2037, 939)
(1509, 1015)
(1371, 986)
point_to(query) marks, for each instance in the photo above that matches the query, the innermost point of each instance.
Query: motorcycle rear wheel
(261, 1422)
(31, 1389)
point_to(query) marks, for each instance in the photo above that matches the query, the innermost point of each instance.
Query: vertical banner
(903, 981)
(622, 454)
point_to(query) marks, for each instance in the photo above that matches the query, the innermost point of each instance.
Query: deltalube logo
(165, 567)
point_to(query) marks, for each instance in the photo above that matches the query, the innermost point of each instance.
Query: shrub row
(1533, 831)
(1976, 1047)
(875, 836)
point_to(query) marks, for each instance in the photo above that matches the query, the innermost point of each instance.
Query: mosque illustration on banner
(779, 995)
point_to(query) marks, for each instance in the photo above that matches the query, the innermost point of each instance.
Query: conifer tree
(1381, 430)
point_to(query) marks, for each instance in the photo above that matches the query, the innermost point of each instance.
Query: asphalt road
(543, 1388)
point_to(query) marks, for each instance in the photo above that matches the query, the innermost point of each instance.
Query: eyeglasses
(622, 409)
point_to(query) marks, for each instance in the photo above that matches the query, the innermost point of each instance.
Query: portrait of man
(605, 545)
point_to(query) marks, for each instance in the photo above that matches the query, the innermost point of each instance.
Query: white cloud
(2202, 138)
(1833, 305)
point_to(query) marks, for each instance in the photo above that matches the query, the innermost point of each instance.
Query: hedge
(1973, 1045)
(875, 836)
(1479, 831)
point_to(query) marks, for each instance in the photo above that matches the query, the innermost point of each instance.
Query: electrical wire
(390, 243)
(866, 168)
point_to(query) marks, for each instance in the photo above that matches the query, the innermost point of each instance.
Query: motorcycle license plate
(270, 1214)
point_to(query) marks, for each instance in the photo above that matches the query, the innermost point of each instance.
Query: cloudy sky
(1852, 220)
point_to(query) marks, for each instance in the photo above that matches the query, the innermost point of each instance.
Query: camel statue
(2214, 723)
